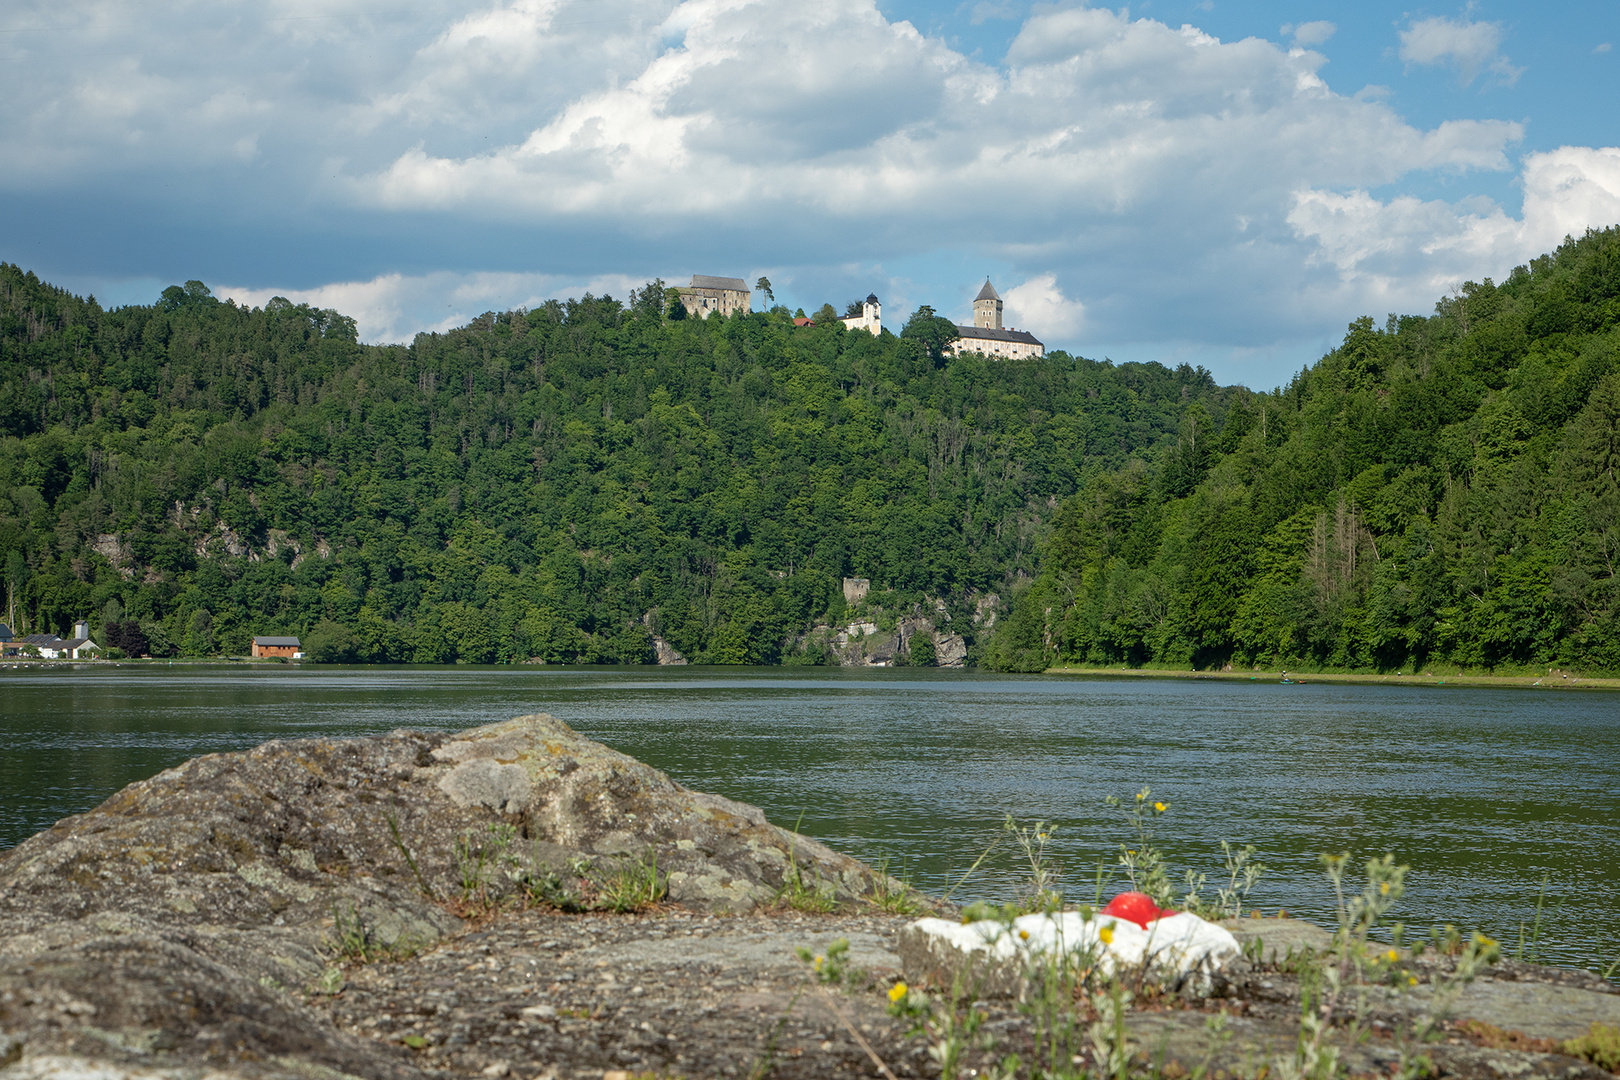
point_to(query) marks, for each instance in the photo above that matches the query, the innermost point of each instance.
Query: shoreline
(1557, 681)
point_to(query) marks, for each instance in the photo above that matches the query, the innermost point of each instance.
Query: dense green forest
(1440, 490)
(572, 482)
(564, 483)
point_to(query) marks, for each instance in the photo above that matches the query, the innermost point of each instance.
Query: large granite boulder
(165, 925)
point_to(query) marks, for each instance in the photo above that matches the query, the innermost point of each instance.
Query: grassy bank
(1553, 681)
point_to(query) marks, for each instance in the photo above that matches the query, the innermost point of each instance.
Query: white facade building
(987, 336)
(870, 319)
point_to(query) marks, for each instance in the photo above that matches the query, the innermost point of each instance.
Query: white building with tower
(988, 337)
(870, 319)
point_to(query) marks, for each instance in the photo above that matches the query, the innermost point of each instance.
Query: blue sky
(1211, 183)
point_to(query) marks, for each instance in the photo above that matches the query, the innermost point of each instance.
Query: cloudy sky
(1217, 183)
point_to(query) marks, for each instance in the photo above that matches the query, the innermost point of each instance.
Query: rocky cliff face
(173, 916)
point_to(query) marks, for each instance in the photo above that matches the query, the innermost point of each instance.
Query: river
(1484, 792)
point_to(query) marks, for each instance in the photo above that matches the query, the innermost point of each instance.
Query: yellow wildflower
(1023, 935)
(1392, 956)
(1411, 980)
(818, 962)
(897, 991)
(1384, 888)
(1159, 806)
(1106, 934)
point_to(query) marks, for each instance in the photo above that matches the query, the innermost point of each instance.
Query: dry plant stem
(767, 1059)
(410, 860)
(976, 864)
(854, 1032)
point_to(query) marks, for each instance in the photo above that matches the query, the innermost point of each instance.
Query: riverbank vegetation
(563, 483)
(588, 479)
(1439, 492)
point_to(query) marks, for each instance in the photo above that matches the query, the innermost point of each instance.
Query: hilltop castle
(727, 296)
(986, 335)
(709, 295)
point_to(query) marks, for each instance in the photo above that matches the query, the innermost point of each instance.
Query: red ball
(1135, 907)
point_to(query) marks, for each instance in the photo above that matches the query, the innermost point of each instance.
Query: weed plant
(1600, 1045)
(950, 1024)
(355, 941)
(492, 874)
(632, 885)
(1044, 891)
(1077, 1014)
(1143, 864)
(895, 896)
(804, 893)
(1531, 950)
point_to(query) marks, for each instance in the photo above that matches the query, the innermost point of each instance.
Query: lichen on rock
(232, 875)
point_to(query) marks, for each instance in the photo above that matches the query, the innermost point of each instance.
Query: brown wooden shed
(276, 646)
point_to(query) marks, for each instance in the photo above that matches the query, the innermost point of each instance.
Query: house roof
(704, 281)
(76, 643)
(984, 333)
(5, 632)
(283, 642)
(41, 639)
(986, 293)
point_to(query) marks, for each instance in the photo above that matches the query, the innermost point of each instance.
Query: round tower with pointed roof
(987, 307)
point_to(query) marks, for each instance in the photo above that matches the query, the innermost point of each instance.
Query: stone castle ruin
(708, 295)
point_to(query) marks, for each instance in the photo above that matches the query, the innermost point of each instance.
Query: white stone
(1180, 950)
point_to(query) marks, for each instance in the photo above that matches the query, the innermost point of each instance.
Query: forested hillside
(561, 483)
(1439, 490)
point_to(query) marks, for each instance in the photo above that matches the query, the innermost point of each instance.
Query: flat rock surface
(1540, 1010)
(1276, 940)
(541, 994)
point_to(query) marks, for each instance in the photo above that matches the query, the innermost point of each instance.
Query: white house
(76, 648)
(870, 319)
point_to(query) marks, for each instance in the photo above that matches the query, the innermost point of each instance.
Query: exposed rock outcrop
(170, 917)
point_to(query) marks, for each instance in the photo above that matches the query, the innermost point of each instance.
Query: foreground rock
(179, 923)
(416, 906)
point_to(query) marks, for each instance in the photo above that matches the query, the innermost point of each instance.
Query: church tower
(987, 307)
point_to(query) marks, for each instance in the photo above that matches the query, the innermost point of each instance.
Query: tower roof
(871, 298)
(987, 293)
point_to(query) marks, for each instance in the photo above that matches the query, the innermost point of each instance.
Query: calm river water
(1483, 792)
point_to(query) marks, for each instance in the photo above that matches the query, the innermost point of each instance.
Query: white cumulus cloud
(1038, 302)
(1148, 183)
(1472, 47)
(1401, 253)
(396, 307)
(1308, 35)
